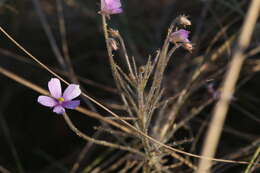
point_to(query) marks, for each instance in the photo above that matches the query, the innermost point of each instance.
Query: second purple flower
(180, 36)
(111, 7)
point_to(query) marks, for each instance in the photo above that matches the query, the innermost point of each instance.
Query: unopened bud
(113, 44)
(142, 69)
(183, 20)
(188, 46)
(114, 33)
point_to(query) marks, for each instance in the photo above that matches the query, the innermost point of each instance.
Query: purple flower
(111, 7)
(59, 101)
(180, 36)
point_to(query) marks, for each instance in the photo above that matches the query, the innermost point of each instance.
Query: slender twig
(138, 167)
(161, 65)
(61, 72)
(10, 142)
(184, 161)
(122, 43)
(99, 142)
(63, 33)
(123, 118)
(192, 114)
(98, 160)
(4, 170)
(112, 132)
(82, 154)
(238, 153)
(49, 34)
(246, 112)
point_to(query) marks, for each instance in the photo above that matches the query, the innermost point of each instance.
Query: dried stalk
(99, 142)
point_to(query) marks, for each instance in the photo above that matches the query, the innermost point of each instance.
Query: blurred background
(33, 139)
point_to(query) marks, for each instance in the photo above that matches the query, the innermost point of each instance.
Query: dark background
(34, 139)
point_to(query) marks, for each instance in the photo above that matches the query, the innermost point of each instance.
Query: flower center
(60, 99)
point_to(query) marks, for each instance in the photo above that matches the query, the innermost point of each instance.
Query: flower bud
(188, 46)
(183, 20)
(114, 33)
(113, 44)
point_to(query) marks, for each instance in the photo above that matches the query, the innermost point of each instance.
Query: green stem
(252, 161)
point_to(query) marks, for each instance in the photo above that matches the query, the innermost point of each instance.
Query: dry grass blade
(105, 143)
(4, 170)
(100, 142)
(61, 72)
(221, 108)
(49, 34)
(8, 137)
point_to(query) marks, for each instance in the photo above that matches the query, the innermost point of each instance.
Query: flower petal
(47, 101)
(186, 40)
(103, 5)
(184, 33)
(111, 6)
(180, 36)
(59, 109)
(71, 104)
(116, 11)
(55, 87)
(71, 92)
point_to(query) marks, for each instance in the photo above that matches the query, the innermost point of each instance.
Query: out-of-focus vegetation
(33, 139)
